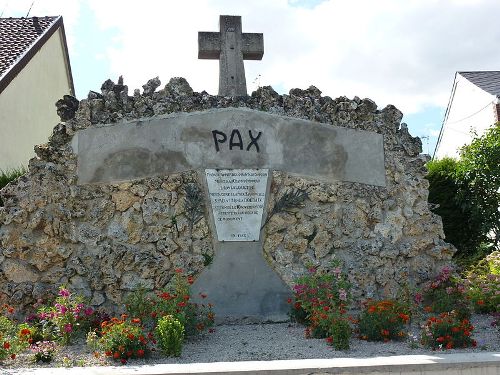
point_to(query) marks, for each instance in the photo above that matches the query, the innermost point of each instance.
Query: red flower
(108, 353)
(6, 345)
(181, 304)
(480, 302)
(25, 332)
(140, 353)
(136, 320)
(449, 345)
(153, 314)
(178, 270)
(440, 339)
(130, 336)
(123, 361)
(13, 356)
(326, 308)
(129, 353)
(116, 355)
(190, 280)
(329, 339)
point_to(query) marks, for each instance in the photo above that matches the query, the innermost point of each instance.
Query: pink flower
(418, 297)
(64, 292)
(68, 328)
(88, 311)
(337, 272)
(449, 290)
(342, 295)
(61, 308)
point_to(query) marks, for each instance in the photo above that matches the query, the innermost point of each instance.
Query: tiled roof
(21, 39)
(489, 81)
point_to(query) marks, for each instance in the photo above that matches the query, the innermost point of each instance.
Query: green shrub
(170, 334)
(482, 283)
(10, 342)
(383, 321)
(320, 302)
(176, 301)
(446, 293)
(460, 228)
(447, 331)
(123, 339)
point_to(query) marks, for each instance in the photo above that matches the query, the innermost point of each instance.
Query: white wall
(471, 109)
(27, 105)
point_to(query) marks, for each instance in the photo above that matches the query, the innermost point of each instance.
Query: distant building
(34, 73)
(473, 106)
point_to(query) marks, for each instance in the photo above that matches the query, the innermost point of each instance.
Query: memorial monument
(129, 188)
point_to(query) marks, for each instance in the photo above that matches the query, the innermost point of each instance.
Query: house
(34, 73)
(474, 106)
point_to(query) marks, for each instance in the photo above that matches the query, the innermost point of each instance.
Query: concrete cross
(230, 46)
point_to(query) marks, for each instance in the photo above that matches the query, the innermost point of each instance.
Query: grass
(8, 176)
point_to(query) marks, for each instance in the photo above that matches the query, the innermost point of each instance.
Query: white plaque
(237, 197)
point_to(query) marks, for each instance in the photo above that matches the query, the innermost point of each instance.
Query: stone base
(242, 286)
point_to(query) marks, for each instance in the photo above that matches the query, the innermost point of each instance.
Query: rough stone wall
(102, 240)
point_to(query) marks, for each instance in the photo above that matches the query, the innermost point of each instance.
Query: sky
(400, 52)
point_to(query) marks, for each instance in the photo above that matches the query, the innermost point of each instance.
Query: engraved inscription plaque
(237, 197)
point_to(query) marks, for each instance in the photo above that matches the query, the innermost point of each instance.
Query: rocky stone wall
(104, 240)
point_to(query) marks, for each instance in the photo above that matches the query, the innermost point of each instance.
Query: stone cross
(230, 46)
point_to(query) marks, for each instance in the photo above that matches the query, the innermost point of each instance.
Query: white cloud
(399, 52)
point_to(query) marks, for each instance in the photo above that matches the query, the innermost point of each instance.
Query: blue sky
(396, 52)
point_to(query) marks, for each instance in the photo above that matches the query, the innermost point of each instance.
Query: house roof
(21, 39)
(488, 81)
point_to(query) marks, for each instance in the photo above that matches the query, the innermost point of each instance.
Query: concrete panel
(228, 138)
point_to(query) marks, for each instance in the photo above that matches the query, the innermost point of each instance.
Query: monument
(130, 188)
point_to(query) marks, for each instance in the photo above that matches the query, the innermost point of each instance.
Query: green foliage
(468, 194)
(482, 282)
(170, 334)
(174, 301)
(446, 293)
(193, 204)
(67, 317)
(337, 328)
(478, 174)
(8, 176)
(123, 339)
(288, 202)
(44, 351)
(460, 228)
(10, 342)
(447, 331)
(383, 320)
(320, 302)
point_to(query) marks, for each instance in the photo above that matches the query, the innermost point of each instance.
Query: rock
(124, 199)
(19, 272)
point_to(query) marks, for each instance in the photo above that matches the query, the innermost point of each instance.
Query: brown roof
(488, 81)
(21, 39)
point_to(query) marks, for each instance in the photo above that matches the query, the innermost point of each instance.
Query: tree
(478, 174)
(467, 192)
